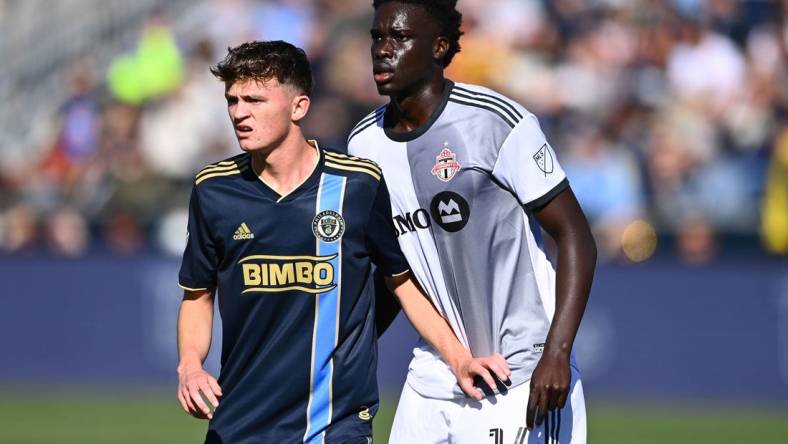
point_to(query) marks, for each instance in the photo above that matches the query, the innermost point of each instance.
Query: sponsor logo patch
(446, 165)
(264, 273)
(450, 210)
(328, 226)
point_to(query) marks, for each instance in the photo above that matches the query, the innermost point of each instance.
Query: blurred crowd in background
(670, 117)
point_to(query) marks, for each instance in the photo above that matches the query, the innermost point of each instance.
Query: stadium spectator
(689, 95)
(67, 232)
(774, 220)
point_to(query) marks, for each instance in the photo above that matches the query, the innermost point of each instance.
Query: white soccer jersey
(461, 189)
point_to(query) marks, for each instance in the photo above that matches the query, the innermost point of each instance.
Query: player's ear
(300, 106)
(439, 49)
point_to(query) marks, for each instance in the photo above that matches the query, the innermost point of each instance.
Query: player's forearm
(564, 220)
(195, 321)
(574, 275)
(386, 305)
(428, 322)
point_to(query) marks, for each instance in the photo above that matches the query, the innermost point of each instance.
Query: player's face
(403, 42)
(262, 112)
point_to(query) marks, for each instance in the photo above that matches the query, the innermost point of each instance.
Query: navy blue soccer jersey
(295, 296)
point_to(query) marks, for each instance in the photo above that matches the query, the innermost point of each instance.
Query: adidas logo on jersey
(243, 232)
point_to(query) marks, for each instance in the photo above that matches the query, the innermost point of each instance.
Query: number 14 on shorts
(547, 433)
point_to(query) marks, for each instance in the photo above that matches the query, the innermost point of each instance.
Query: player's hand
(487, 368)
(549, 388)
(193, 384)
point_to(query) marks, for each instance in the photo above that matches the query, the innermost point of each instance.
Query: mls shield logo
(328, 226)
(446, 165)
(544, 159)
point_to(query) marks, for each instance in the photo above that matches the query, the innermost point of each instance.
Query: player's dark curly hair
(265, 61)
(450, 19)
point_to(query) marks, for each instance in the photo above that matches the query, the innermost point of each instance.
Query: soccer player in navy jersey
(473, 179)
(285, 233)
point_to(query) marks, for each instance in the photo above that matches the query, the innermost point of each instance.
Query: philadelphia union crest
(446, 165)
(328, 226)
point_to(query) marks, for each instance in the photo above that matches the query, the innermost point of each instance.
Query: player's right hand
(487, 368)
(193, 384)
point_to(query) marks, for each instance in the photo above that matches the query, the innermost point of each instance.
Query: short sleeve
(199, 264)
(527, 166)
(382, 237)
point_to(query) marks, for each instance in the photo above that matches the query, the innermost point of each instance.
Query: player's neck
(287, 166)
(412, 110)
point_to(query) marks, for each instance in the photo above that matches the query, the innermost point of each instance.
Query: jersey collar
(308, 181)
(407, 136)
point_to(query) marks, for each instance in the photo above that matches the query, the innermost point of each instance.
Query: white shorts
(498, 419)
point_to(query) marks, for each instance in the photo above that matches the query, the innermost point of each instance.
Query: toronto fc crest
(446, 165)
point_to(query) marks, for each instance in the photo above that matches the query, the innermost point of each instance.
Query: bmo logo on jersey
(410, 222)
(449, 210)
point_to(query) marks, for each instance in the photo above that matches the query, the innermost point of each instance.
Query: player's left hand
(193, 385)
(486, 368)
(550, 383)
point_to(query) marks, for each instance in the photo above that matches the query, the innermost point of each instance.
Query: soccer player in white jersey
(472, 181)
(285, 234)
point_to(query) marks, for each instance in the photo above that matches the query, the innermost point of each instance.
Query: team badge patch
(328, 226)
(446, 165)
(544, 160)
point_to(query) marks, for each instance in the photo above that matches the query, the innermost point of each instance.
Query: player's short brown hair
(264, 61)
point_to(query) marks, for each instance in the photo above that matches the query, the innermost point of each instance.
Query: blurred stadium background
(669, 116)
